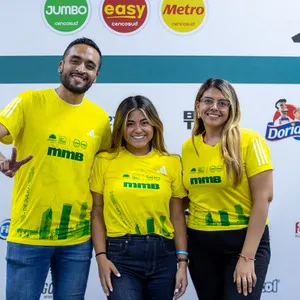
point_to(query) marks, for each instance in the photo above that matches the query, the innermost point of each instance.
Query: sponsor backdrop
(164, 50)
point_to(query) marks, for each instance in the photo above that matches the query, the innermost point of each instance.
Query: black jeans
(147, 264)
(213, 257)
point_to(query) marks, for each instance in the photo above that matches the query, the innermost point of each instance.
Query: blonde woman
(227, 171)
(138, 223)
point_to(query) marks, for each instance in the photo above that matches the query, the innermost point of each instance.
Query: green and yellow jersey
(215, 204)
(51, 202)
(137, 191)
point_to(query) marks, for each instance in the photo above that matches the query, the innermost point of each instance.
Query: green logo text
(138, 185)
(206, 179)
(65, 154)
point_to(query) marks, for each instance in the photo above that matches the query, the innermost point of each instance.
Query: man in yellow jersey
(51, 205)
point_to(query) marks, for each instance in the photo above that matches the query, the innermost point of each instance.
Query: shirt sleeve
(12, 116)
(258, 157)
(7, 139)
(97, 175)
(178, 190)
(106, 137)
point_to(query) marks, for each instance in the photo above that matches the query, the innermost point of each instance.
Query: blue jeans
(147, 265)
(28, 266)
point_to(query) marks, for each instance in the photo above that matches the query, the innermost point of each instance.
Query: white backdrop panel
(231, 27)
(257, 103)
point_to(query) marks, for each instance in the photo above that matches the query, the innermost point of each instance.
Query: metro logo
(183, 10)
(124, 18)
(183, 16)
(124, 11)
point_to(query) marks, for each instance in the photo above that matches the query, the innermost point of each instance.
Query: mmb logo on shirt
(4, 229)
(140, 185)
(63, 153)
(66, 16)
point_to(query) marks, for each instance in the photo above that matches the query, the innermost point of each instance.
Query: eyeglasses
(221, 104)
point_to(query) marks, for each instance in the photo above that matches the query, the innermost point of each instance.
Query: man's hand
(10, 166)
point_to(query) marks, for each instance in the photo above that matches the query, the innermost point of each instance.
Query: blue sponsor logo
(4, 229)
(276, 133)
(286, 122)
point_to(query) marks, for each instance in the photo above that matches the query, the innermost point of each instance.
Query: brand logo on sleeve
(124, 17)
(286, 122)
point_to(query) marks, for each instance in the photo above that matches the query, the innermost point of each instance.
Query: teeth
(214, 116)
(78, 77)
(138, 137)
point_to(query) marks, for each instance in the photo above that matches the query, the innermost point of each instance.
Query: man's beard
(64, 79)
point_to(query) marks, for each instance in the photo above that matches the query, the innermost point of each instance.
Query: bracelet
(182, 252)
(246, 258)
(99, 253)
(182, 260)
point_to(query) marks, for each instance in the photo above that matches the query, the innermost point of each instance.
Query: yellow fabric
(51, 200)
(214, 203)
(7, 139)
(137, 191)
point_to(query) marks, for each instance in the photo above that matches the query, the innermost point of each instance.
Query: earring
(198, 115)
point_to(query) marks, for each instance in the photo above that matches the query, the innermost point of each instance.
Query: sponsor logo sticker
(286, 122)
(183, 16)
(124, 17)
(66, 16)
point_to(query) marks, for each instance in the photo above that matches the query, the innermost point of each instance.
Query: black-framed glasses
(221, 104)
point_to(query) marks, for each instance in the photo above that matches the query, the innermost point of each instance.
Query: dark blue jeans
(213, 257)
(147, 265)
(28, 266)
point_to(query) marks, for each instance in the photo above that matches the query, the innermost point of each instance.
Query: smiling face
(138, 133)
(79, 68)
(283, 109)
(213, 108)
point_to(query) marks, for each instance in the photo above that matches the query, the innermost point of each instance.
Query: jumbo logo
(125, 17)
(183, 16)
(66, 16)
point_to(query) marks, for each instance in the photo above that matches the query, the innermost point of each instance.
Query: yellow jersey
(215, 204)
(137, 191)
(51, 201)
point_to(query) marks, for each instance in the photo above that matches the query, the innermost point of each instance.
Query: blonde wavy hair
(120, 122)
(231, 135)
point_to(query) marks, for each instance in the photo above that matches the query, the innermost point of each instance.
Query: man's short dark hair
(280, 101)
(85, 41)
